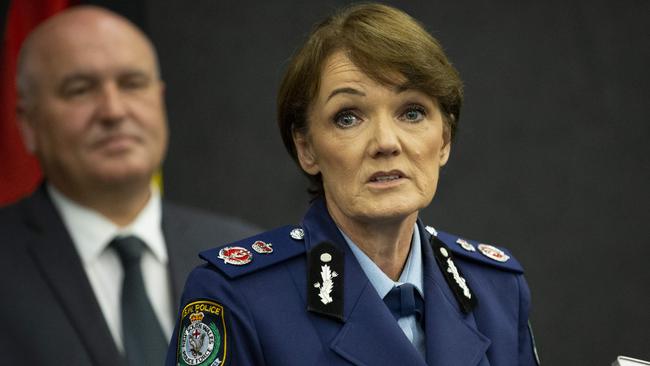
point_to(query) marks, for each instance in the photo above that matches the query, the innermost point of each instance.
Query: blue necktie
(405, 300)
(144, 341)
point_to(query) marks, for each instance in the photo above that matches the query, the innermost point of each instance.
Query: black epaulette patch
(479, 252)
(455, 280)
(325, 280)
(257, 252)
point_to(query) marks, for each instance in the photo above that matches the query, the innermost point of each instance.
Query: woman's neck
(386, 243)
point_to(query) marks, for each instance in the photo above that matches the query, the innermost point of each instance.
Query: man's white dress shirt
(91, 233)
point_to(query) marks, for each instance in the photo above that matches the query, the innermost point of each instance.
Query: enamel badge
(465, 245)
(235, 255)
(202, 335)
(262, 247)
(493, 253)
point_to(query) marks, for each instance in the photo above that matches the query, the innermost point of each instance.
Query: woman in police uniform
(368, 108)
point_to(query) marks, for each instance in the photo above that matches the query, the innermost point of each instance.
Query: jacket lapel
(180, 259)
(451, 337)
(368, 334)
(55, 256)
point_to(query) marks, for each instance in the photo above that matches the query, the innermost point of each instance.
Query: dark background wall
(552, 158)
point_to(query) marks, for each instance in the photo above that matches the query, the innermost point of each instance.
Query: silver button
(444, 252)
(297, 233)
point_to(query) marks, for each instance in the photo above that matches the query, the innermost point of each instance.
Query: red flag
(19, 171)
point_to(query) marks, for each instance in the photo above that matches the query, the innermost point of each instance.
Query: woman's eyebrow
(345, 91)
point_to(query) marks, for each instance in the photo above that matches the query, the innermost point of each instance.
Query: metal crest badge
(262, 247)
(460, 281)
(465, 245)
(202, 335)
(235, 255)
(493, 253)
(327, 285)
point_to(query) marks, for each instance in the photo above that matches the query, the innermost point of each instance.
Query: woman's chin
(390, 213)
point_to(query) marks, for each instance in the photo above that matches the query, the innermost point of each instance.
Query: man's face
(95, 114)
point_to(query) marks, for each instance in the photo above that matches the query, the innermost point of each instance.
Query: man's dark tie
(405, 300)
(144, 342)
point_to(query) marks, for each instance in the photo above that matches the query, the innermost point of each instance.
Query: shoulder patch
(256, 252)
(479, 252)
(202, 337)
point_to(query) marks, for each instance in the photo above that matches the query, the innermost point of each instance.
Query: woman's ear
(444, 153)
(305, 152)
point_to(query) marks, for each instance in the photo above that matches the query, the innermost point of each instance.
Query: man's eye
(76, 90)
(134, 83)
(414, 113)
(346, 119)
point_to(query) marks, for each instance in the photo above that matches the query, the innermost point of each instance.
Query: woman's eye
(346, 119)
(413, 114)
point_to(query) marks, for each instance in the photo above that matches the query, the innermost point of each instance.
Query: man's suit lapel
(368, 334)
(451, 337)
(55, 256)
(180, 258)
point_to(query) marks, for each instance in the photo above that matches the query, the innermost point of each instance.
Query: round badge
(297, 233)
(197, 343)
(493, 253)
(235, 255)
(262, 247)
(465, 245)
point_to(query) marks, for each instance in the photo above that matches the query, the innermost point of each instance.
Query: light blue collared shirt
(412, 273)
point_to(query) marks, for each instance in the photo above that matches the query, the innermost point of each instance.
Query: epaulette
(257, 252)
(478, 252)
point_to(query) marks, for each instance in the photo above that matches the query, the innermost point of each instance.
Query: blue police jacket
(296, 296)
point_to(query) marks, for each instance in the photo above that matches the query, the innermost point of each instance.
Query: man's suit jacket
(252, 306)
(48, 311)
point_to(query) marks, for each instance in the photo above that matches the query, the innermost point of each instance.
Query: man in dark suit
(93, 261)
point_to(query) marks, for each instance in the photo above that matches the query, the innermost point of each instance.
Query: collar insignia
(454, 277)
(325, 280)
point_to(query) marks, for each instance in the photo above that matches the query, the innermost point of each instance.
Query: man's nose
(111, 104)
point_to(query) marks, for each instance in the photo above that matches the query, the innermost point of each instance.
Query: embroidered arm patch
(202, 337)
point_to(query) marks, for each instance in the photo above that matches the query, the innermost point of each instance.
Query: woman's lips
(386, 178)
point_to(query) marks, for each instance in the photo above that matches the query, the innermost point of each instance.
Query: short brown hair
(381, 41)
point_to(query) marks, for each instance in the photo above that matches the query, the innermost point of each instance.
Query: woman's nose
(385, 139)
